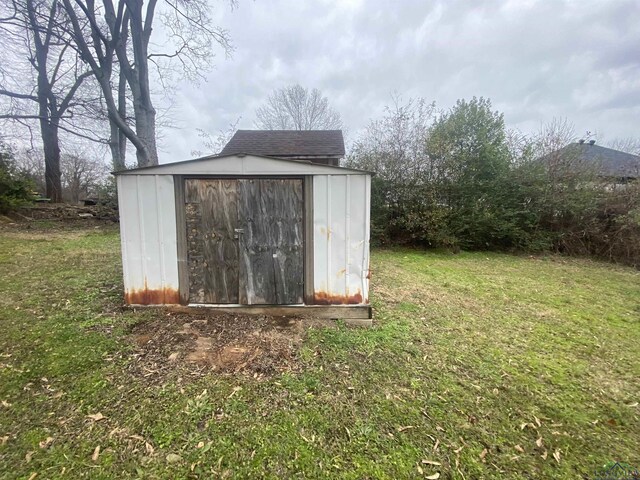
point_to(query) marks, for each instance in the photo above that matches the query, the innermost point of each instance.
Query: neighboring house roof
(609, 162)
(287, 143)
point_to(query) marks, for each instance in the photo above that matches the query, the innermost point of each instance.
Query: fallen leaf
(4, 439)
(523, 426)
(544, 455)
(33, 475)
(203, 394)
(537, 421)
(435, 445)
(483, 454)
(96, 417)
(431, 462)
(556, 455)
(173, 458)
(235, 390)
(200, 445)
(96, 454)
(5, 404)
(435, 476)
(519, 448)
(439, 428)
(28, 456)
(149, 448)
(539, 442)
(420, 470)
(458, 450)
(633, 405)
(612, 422)
(46, 443)
(136, 437)
(408, 427)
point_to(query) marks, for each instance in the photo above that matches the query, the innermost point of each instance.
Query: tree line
(460, 179)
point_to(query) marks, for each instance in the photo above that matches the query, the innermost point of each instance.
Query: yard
(479, 365)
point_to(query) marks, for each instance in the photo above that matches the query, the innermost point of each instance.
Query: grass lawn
(479, 366)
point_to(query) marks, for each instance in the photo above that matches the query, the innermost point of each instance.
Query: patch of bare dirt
(198, 343)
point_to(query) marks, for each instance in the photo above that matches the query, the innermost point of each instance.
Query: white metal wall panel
(341, 238)
(149, 240)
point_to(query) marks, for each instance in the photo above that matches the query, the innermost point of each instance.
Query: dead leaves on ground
(402, 429)
(96, 417)
(483, 455)
(433, 476)
(96, 454)
(46, 443)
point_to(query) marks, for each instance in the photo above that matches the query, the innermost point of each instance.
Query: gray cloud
(535, 59)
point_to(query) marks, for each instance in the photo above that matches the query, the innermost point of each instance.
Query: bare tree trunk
(143, 109)
(46, 104)
(114, 145)
(146, 130)
(117, 139)
(122, 111)
(51, 147)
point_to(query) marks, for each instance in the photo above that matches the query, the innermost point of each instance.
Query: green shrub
(15, 189)
(459, 181)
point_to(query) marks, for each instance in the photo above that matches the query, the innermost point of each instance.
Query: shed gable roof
(287, 143)
(241, 164)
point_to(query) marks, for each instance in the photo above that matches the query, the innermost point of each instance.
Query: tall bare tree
(297, 108)
(121, 35)
(395, 146)
(215, 144)
(629, 145)
(37, 29)
(81, 175)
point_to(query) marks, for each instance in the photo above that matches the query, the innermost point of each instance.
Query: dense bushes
(462, 180)
(15, 189)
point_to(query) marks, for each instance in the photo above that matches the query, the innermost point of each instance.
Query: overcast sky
(534, 59)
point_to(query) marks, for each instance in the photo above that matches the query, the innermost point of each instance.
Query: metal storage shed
(250, 232)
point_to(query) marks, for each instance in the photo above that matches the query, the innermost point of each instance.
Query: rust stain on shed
(324, 298)
(152, 296)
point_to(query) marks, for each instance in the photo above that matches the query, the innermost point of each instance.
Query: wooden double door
(245, 241)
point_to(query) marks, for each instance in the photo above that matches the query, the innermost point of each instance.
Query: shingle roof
(610, 162)
(286, 143)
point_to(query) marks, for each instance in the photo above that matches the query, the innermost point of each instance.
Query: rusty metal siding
(340, 217)
(148, 238)
(341, 238)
